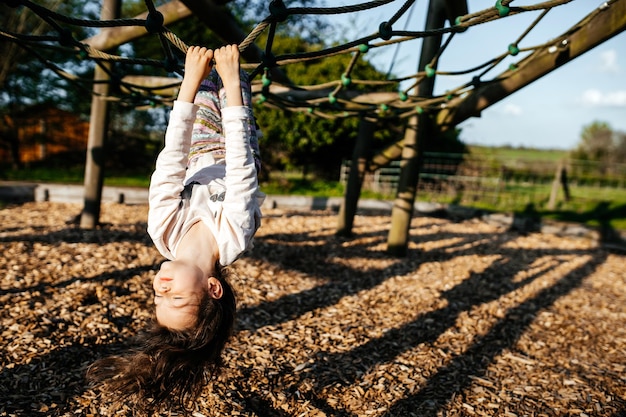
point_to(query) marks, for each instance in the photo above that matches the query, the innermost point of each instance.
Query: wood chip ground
(477, 320)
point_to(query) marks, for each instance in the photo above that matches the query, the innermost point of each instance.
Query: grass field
(593, 206)
(506, 153)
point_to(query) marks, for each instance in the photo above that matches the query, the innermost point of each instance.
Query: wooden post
(94, 174)
(564, 183)
(402, 210)
(358, 167)
(417, 130)
(560, 180)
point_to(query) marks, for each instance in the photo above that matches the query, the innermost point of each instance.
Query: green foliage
(449, 142)
(508, 153)
(28, 70)
(595, 143)
(600, 143)
(297, 139)
(63, 175)
(283, 185)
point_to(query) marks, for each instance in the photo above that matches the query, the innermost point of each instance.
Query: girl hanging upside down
(204, 211)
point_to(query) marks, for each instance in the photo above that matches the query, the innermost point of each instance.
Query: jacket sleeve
(167, 179)
(241, 215)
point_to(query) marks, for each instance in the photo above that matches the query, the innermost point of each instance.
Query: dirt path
(476, 320)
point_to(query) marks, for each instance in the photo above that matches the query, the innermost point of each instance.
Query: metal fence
(462, 178)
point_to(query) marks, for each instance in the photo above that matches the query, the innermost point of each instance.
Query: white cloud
(512, 110)
(596, 98)
(608, 62)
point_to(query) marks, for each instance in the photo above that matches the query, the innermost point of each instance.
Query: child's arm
(241, 209)
(197, 68)
(166, 183)
(227, 66)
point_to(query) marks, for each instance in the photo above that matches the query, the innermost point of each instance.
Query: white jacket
(226, 197)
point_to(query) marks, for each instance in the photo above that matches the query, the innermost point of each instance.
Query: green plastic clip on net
(266, 80)
(430, 72)
(457, 22)
(502, 10)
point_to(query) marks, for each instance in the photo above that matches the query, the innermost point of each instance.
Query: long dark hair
(169, 368)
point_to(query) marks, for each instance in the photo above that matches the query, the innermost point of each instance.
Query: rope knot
(278, 10)
(385, 31)
(268, 60)
(154, 22)
(66, 38)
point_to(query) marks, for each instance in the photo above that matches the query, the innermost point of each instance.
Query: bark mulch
(477, 320)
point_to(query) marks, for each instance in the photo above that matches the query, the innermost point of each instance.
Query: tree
(291, 139)
(619, 149)
(299, 139)
(601, 145)
(299, 148)
(596, 142)
(29, 69)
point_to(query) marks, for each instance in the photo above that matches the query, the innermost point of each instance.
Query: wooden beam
(109, 38)
(602, 27)
(597, 28)
(162, 86)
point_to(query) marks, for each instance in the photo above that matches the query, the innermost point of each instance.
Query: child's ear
(215, 288)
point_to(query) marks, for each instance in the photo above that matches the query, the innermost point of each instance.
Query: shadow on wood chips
(476, 320)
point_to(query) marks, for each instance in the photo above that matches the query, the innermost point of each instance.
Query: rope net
(344, 97)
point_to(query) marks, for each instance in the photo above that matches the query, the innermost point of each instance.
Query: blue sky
(549, 113)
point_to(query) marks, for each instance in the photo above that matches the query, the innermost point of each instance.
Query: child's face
(178, 289)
